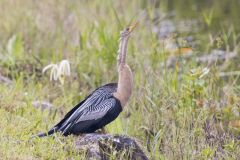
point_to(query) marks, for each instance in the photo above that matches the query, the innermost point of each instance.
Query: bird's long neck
(125, 77)
(125, 85)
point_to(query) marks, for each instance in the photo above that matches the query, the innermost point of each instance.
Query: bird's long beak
(133, 26)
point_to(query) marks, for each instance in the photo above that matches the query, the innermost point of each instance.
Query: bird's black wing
(95, 105)
(91, 118)
(112, 86)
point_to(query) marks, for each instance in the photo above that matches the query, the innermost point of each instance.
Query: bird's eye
(127, 29)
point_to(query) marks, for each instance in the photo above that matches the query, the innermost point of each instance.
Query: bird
(105, 103)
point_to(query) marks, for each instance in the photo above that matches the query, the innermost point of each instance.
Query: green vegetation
(184, 105)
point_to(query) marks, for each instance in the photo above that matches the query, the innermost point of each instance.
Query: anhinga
(104, 104)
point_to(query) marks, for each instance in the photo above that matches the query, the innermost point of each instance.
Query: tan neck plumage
(125, 84)
(125, 78)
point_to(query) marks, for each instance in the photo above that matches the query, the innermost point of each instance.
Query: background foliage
(185, 60)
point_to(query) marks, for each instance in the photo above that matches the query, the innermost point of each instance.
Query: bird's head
(127, 31)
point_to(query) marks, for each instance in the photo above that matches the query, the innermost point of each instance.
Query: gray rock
(106, 146)
(5, 80)
(42, 105)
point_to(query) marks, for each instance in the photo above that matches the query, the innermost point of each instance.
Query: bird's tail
(44, 134)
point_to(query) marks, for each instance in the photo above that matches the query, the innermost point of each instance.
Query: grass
(176, 110)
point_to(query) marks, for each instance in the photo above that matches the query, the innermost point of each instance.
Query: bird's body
(93, 113)
(104, 104)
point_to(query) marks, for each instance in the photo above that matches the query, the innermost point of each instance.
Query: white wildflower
(58, 71)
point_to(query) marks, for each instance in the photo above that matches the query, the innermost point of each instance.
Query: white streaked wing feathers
(96, 112)
(94, 100)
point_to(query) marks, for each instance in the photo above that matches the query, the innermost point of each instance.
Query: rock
(5, 80)
(106, 146)
(211, 58)
(42, 105)
(216, 55)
